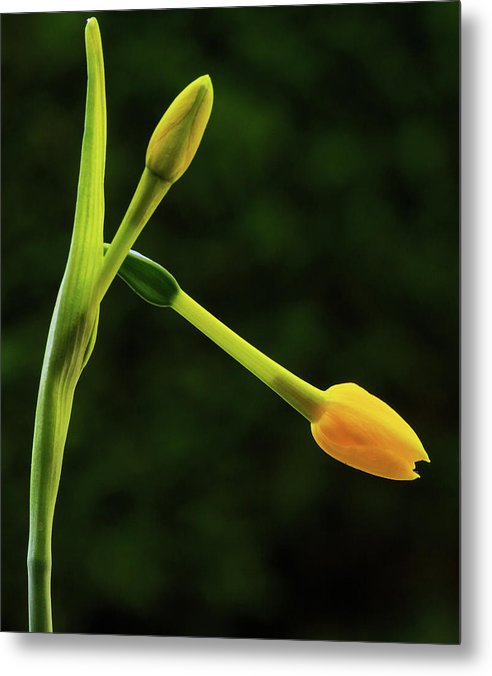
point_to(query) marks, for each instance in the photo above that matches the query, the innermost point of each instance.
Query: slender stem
(150, 191)
(299, 394)
(50, 432)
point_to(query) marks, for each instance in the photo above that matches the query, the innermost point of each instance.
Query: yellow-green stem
(149, 193)
(69, 335)
(50, 432)
(302, 396)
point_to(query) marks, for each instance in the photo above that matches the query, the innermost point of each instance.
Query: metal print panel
(249, 220)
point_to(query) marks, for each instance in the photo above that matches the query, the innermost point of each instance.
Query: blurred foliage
(320, 220)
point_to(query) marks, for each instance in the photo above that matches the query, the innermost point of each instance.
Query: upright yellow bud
(177, 136)
(363, 432)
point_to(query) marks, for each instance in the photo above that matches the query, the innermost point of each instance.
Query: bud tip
(179, 133)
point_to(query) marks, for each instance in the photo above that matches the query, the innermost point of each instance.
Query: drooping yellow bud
(361, 431)
(177, 136)
(348, 423)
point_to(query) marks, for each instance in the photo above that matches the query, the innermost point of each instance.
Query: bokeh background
(319, 220)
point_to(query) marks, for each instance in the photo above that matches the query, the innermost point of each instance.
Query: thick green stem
(50, 432)
(69, 340)
(302, 396)
(39, 569)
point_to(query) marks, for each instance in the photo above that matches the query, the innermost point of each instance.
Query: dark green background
(320, 220)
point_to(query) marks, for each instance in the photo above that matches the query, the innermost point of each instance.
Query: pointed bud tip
(206, 81)
(202, 90)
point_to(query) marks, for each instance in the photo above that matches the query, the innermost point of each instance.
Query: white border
(75, 5)
(76, 655)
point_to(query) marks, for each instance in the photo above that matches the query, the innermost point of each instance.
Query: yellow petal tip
(362, 431)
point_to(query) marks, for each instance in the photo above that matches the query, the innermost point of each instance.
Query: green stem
(149, 193)
(50, 432)
(39, 589)
(70, 332)
(302, 396)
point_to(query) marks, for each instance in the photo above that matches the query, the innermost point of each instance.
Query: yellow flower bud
(177, 136)
(361, 431)
(348, 423)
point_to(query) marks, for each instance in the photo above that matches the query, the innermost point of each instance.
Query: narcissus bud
(148, 279)
(360, 430)
(348, 423)
(171, 149)
(177, 136)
